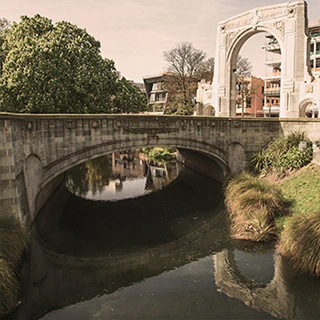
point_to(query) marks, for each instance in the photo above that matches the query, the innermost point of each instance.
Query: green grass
(303, 190)
(300, 236)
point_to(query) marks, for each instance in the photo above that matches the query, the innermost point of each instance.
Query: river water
(126, 237)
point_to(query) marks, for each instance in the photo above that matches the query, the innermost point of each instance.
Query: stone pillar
(294, 59)
(9, 203)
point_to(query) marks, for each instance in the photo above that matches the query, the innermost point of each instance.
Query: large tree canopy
(58, 68)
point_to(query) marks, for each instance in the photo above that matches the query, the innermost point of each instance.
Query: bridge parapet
(36, 149)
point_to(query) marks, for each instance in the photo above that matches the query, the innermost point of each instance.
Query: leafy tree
(58, 69)
(129, 98)
(4, 25)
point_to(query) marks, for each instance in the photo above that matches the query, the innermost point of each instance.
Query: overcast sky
(134, 33)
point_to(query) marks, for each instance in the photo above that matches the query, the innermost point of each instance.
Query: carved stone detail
(279, 25)
(118, 123)
(255, 19)
(236, 124)
(149, 131)
(70, 124)
(95, 124)
(29, 126)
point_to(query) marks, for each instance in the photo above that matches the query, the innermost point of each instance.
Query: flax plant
(283, 155)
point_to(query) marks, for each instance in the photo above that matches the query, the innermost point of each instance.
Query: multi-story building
(156, 93)
(249, 98)
(272, 78)
(314, 34)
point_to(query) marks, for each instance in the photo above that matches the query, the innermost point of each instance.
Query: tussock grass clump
(283, 155)
(300, 241)
(9, 288)
(253, 205)
(13, 241)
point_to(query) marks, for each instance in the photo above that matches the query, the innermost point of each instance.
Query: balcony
(314, 53)
(274, 92)
(270, 111)
(273, 76)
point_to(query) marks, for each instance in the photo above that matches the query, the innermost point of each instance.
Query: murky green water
(142, 240)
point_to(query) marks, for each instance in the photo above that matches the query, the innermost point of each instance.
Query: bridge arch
(209, 110)
(51, 175)
(308, 108)
(56, 169)
(287, 23)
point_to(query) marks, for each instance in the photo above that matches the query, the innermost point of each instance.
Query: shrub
(13, 240)
(253, 205)
(9, 288)
(160, 154)
(300, 241)
(283, 155)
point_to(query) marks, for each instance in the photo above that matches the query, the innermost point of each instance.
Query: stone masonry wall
(36, 149)
(9, 197)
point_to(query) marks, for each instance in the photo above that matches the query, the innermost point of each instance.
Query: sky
(135, 33)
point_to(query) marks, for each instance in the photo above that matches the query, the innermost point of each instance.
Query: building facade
(157, 95)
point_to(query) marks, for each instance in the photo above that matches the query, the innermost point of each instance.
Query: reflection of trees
(95, 174)
(90, 176)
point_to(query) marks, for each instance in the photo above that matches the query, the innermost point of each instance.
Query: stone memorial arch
(288, 24)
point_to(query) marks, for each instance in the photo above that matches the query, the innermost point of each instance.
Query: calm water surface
(129, 238)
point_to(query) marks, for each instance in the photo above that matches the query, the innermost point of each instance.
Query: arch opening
(287, 24)
(255, 77)
(308, 108)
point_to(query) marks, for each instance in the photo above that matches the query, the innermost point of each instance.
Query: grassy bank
(13, 241)
(300, 236)
(281, 199)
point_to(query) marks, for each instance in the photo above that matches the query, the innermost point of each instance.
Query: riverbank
(299, 239)
(13, 241)
(286, 209)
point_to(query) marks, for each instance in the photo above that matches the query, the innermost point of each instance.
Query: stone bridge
(36, 149)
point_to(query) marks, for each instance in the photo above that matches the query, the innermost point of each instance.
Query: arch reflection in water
(273, 297)
(120, 175)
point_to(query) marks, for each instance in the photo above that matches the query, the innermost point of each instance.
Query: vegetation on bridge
(13, 241)
(58, 68)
